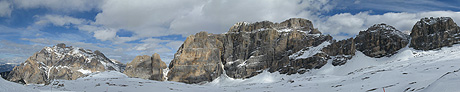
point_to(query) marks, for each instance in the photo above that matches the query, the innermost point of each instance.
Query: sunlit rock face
(60, 62)
(247, 49)
(146, 67)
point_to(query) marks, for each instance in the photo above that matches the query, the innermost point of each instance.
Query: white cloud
(13, 52)
(107, 34)
(149, 18)
(218, 16)
(411, 6)
(60, 5)
(60, 20)
(5, 8)
(146, 18)
(350, 24)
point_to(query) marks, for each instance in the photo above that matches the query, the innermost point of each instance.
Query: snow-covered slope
(7, 86)
(407, 71)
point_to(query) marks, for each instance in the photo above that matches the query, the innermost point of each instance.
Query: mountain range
(290, 48)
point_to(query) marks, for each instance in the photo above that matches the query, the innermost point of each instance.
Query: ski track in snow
(407, 71)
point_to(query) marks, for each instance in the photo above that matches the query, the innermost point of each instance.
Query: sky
(123, 29)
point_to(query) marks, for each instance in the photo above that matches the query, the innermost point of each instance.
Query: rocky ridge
(290, 47)
(60, 62)
(247, 49)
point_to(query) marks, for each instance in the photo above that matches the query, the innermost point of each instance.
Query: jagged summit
(431, 20)
(61, 51)
(381, 26)
(292, 24)
(385, 29)
(60, 62)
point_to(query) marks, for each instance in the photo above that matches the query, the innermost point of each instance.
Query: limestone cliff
(246, 50)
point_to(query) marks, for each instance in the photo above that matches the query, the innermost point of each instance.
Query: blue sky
(123, 29)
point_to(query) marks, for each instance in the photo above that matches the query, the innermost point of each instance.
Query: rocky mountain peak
(296, 23)
(384, 29)
(438, 20)
(434, 33)
(382, 26)
(61, 45)
(381, 40)
(60, 62)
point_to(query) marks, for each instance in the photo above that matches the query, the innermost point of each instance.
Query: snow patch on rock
(309, 51)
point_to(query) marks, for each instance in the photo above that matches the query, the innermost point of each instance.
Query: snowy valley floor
(409, 70)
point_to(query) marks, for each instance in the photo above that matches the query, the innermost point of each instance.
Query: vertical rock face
(434, 33)
(247, 49)
(146, 67)
(198, 59)
(60, 62)
(343, 51)
(381, 40)
(253, 47)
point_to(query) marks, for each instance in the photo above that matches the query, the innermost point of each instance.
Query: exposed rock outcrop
(434, 33)
(381, 40)
(60, 62)
(198, 59)
(343, 51)
(146, 67)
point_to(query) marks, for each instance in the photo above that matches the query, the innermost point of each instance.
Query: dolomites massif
(293, 46)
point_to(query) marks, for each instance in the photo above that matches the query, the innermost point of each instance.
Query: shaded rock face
(343, 51)
(434, 33)
(302, 65)
(251, 48)
(119, 64)
(246, 50)
(60, 62)
(381, 40)
(198, 59)
(146, 67)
